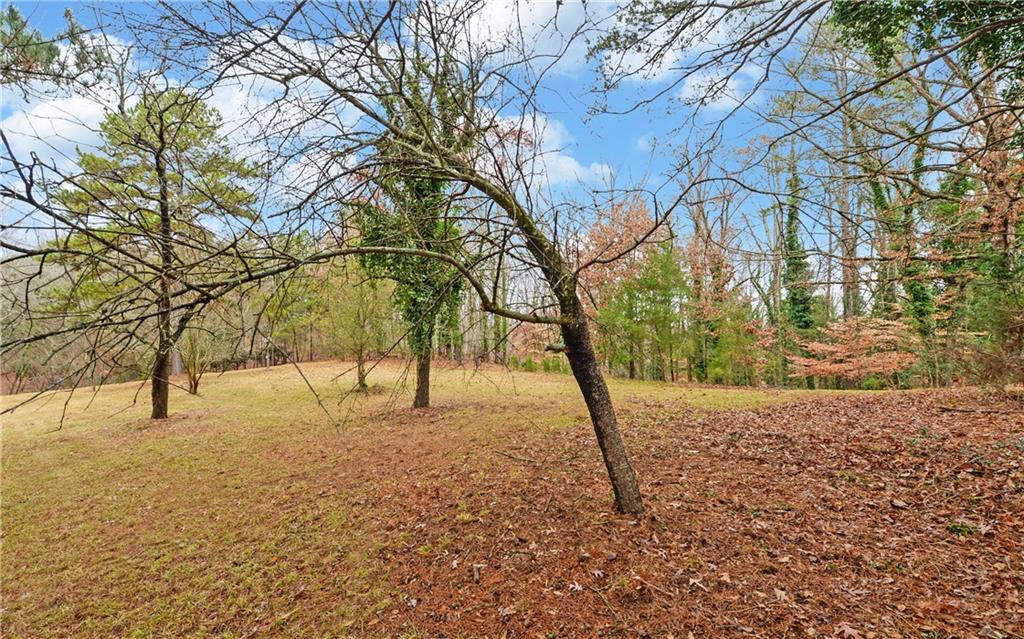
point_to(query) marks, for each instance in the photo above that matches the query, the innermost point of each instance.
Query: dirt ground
(768, 515)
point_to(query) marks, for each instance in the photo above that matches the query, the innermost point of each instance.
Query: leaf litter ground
(787, 515)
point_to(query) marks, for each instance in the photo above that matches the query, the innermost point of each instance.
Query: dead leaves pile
(855, 516)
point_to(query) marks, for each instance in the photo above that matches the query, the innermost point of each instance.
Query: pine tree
(162, 175)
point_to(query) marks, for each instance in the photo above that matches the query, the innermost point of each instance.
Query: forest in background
(864, 231)
(885, 260)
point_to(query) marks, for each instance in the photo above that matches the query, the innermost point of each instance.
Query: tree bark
(162, 361)
(485, 337)
(580, 351)
(422, 398)
(361, 370)
(160, 386)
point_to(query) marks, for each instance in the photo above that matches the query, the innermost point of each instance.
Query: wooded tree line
(385, 195)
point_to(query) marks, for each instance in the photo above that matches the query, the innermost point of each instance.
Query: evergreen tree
(146, 202)
(27, 56)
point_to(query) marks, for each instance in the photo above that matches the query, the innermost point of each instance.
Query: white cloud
(542, 29)
(561, 169)
(540, 155)
(555, 143)
(52, 129)
(720, 93)
(51, 123)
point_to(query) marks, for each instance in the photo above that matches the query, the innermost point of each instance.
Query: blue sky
(585, 152)
(634, 150)
(633, 146)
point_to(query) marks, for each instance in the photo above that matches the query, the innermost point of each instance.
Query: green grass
(240, 516)
(961, 528)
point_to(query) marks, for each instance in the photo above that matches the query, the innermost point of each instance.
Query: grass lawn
(250, 513)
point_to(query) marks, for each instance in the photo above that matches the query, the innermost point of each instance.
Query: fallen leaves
(826, 517)
(784, 517)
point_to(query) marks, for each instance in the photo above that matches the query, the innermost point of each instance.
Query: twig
(516, 457)
(476, 607)
(608, 604)
(668, 594)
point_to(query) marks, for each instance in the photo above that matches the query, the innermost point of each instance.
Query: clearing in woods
(768, 513)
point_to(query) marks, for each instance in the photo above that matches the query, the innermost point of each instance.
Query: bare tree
(337, 117)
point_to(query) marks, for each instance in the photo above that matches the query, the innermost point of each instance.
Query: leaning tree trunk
(422, 399)
(585, 368)
(579, 349)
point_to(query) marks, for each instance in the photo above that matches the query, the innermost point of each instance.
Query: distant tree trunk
(585, 368)
(848, 226)
(499, 340)
(193, 384)
(485, 337)
(361, 369)
(500, 324)
(700, 366)
(422, 399)
(848, 243)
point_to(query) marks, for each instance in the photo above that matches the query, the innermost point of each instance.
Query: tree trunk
(579, 349)
(499, 326)
(485, 338)
(160, 387)
(162, 361)
(422, 399)
(193, 384)
(361, 370)
(585, 369)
